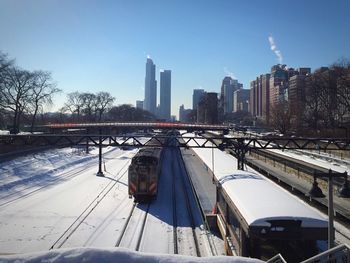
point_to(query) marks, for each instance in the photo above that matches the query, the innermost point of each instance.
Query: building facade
(207, 110)
(165, 95)
(196, 97)
(139, 104)
(150, 101)
(228, 87)
(184, 114)
(241, 100)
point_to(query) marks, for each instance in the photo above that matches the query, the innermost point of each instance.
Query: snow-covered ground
(43, 194)
(53, 200)
(318, 158)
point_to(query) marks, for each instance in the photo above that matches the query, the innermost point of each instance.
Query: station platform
(341, 205)
(202, 181)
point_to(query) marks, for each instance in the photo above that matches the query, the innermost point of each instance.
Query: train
(144, 171)
(259, 219)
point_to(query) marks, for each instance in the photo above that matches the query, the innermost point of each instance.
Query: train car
(259, 219)
(144, 172)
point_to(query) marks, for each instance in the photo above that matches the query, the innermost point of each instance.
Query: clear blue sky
(91, 46)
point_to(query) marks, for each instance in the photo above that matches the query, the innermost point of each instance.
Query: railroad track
(90, 208)
(185, 240)
(133, 229)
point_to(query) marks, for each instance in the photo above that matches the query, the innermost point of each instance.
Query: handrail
(340, 253)
(277, 259)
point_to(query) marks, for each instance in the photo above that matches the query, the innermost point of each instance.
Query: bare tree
(342, 72)
(88, 104)
(15, 91)
(313, 105)
(4, 63)
(74, 104)
(42, 92)
(104, 101)
(127, 112)
(280, 117)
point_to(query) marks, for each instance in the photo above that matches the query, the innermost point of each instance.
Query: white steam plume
(275, 50)
(229, 73)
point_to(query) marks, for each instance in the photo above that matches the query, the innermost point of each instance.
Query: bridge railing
(277, 259)
(338, 254)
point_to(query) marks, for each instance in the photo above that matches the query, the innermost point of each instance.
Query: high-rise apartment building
(228, 87)
(265, 97)
(196, 97)
(240, 100)
(282, 85)
(165, 94)
(184, 114)
(150, 101)
(256, 97)
(278, 84)
(207, 111)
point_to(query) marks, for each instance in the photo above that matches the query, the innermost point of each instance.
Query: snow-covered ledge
(115, 255)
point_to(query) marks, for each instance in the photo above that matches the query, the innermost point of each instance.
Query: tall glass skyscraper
(165, 94)
(150, 102)
(198, 94)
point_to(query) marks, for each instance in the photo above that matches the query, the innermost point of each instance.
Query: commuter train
(144, 170)
(259, 219)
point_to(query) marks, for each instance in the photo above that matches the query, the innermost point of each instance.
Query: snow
(4, 132)
(45, 196)
(41, 196)
(320, 159)
(256, 197)
(77, 255)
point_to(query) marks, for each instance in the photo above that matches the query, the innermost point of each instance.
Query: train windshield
(291, 250)
(145, 160)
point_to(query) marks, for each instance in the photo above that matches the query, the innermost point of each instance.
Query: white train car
(257, 218)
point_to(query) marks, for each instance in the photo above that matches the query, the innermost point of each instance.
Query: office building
(241, 100)
(184, 114)
(228, 87)
(196, 97)
(207, 110)
(150, 101)
(165, 94)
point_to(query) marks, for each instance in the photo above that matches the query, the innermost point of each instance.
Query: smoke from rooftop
(275, 50)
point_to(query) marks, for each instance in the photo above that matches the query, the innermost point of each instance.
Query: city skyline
(101, 46)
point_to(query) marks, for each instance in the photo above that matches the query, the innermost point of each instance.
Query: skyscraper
(165, 94)
(196, 97)
(228, 87)
(150, 102)
(207, 110)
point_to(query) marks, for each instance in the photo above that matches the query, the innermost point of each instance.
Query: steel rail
(125, 225)
(187, 200)
(87, 211)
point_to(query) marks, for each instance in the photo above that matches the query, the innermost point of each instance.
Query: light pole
(344, 191)
(100, 173)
